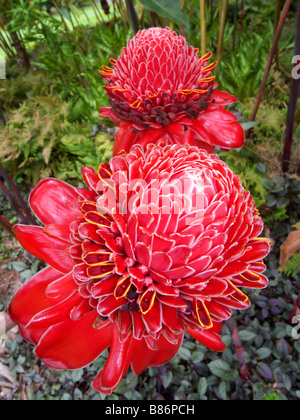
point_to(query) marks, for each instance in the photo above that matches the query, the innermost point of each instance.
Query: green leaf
(283, 347)
(222, 370)
(65, 14)
(265, 371)
(267, 183)
(19, 265)
(170, 9)
(246, 335)
(264, 353)
(223, 390)
(77, 375)
(184, 353)
(202, 386)
(167, 379)
(249, 125)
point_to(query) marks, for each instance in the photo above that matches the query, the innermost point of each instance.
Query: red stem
(269, 62)
(289, 132)
(12, 202)
(27, 217)
(238, 348)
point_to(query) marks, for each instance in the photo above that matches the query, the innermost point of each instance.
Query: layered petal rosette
(161, 91)
(160, 243)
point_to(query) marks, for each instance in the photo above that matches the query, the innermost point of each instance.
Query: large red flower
(160, 90)
(160, 243)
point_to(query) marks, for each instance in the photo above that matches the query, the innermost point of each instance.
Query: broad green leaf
(167, 379)
(202, 386)
(246, 335)
(264, 353)
(222, 370)
(249, 124)
(170, 9)
(265, 371)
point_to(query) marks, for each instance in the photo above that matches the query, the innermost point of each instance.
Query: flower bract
(161, 90)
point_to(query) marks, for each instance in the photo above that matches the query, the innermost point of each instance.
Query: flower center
(163, 109)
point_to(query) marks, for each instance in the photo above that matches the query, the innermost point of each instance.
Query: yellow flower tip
(207, 79)
(203, 318)
(121, 284)
(136, 104)
(151, 303)
(206, 56)
(210, 67)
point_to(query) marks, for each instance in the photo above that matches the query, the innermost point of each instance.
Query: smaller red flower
(161, 91)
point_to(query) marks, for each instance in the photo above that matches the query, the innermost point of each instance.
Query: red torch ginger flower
(161, 91)
(160, 243)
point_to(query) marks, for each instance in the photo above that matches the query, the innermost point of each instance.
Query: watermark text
(2, 68)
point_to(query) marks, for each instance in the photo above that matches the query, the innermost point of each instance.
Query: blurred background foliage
(49, 126)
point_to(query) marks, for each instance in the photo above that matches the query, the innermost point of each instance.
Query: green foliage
(282, 199)
(248, 167)
(69, 52)
(293, 265)
(38, 142)
(167, 8)
(272, 396)
(241, 72)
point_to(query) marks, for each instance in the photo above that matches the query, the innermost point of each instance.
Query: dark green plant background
(53, 129)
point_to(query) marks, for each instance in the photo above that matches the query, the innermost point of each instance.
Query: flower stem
(269, 62)
(6, 225)
(133, 15)
(12, 202)
(223, 14)
(289, 132)
(239, 348)
(27, 217)
(203, 27)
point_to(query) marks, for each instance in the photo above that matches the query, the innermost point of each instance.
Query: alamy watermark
(296, 329)
(2, 68)
(296, 68)
(2, 330)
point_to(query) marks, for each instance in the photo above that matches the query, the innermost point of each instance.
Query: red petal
(219, 115)
(45, 247)
(146, 357)
(226, 135)
(208, 339)
(161, 261)
(74, 344)
(53, 201)
(110, 304)
(124, 139)
(59, 231)
(119, 359)
(171, 318)
(142, 253)
(104, 287)
(62, 287)
(30, 300)
(56, 313)
(257, 251)
(176, 128)
(153, 318)
(218, 311)
(90, 177)
(222, 98)
(138, 325)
